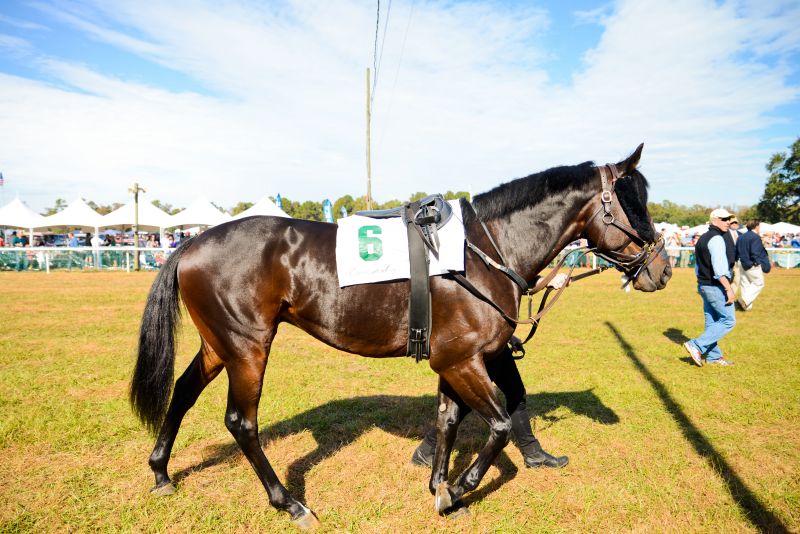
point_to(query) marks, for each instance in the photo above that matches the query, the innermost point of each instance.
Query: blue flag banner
(278, 201)
(327, 209)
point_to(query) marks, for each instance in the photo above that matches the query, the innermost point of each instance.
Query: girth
(423, 219)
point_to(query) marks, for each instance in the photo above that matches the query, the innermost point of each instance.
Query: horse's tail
(152, 378)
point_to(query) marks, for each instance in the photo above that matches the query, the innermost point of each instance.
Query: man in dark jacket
(715, 255)
(755, 262)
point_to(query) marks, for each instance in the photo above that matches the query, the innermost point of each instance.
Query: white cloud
(472, 104)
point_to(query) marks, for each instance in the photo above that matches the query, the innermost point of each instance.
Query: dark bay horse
(239, 280)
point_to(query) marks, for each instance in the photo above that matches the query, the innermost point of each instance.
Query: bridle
(631, 264)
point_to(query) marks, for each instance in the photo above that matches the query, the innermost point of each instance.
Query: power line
(378, 57)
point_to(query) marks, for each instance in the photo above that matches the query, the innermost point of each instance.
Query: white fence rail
(122, 258)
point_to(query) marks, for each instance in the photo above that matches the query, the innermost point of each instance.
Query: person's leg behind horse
(503, 371)
(205, 366)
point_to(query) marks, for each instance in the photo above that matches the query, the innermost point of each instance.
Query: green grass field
(656, 444)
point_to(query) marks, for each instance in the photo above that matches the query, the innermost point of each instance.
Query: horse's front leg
(470, 381)
(450, 411)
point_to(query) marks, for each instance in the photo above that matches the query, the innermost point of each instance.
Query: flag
(327, 209)
(344, 211)
(278, 201)
(2, 180)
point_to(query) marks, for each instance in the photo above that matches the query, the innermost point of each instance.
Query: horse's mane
(521, 193)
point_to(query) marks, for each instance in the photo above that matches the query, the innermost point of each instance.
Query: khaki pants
(752, 283)
(737, 278)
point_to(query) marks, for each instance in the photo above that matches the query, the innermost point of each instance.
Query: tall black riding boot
(423, 456)
(530, 447)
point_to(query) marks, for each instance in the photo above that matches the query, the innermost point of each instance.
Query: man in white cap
(715, 256)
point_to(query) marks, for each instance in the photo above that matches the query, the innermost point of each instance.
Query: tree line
(779, 202)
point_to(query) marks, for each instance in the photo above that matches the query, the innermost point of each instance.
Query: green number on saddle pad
(366, 237)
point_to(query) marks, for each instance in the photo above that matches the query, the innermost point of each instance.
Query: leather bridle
(631, 264)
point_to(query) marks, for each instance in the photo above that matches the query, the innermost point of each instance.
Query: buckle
(605, 196)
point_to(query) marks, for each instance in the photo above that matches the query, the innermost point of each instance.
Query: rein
(623, 262)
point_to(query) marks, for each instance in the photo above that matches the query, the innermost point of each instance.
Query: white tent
(780, 228)
(150, 217)
(263, 207)
(201, 213)
(77, 214)
(17, 215)
(699, 229)
(666, 229)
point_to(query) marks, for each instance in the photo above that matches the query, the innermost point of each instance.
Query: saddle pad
(376, 250)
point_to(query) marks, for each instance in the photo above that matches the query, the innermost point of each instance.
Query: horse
(240, 280)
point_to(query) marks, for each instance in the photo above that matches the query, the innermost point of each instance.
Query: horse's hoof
(307, 521)
(163, 490)
(443, 498)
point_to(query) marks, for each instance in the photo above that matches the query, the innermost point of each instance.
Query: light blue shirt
(719, 257)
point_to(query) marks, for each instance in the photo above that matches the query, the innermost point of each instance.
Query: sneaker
(719, 361)
(694, 353)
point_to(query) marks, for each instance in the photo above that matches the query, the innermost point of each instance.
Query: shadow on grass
(676, 336)
(338, 423)
(755, 511)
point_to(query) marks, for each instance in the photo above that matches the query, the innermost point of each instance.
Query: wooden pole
(135, 190)
(369, 162)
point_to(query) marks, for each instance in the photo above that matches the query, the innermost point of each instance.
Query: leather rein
(622, 262)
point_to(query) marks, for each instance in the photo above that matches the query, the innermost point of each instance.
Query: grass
(655, 443)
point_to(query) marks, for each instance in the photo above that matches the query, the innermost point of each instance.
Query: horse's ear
(628, 165)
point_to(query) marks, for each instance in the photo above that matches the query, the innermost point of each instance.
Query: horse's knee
(243, 431)
(501, 430)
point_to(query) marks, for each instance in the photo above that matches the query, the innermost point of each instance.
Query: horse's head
(620, 228)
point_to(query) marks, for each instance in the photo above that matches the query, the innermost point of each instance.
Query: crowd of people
(33, 259)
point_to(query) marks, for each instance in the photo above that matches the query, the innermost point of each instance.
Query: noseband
(630, 264)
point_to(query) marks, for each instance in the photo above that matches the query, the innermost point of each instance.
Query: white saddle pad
(375, 250)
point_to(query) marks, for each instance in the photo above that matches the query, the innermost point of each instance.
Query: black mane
(518, 194)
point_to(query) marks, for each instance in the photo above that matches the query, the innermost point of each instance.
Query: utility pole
(369, 163)
(135, 190)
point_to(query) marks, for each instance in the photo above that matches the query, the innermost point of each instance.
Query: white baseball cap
(721, 213)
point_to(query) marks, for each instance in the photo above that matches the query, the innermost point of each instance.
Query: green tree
(167, 208)
(59, 205)
(240, 207)
(310, 210)
(781, 198)
(345, 202)
(419, 195)
(450, 195)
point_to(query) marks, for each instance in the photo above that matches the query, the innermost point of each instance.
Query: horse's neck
(532, 237)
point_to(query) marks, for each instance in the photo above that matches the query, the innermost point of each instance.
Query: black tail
(152, 378)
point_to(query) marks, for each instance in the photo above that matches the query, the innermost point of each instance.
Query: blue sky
(234, 100)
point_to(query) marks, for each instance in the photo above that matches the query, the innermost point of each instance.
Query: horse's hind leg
(471, 382)
(205, 366)
(241, 418)
(451, 410)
